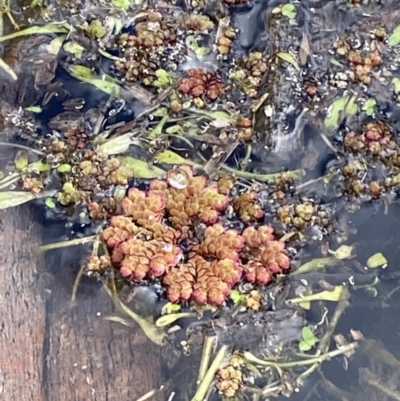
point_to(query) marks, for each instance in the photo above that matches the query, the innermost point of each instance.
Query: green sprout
(308, 339)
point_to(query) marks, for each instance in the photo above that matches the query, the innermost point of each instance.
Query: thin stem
(27, 148)
(264, 177)
(209, 376)
(65, 244)
(77, 281)
(205, 357)
(317, 359)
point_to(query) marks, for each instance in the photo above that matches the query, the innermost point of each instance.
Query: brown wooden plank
(22, 311)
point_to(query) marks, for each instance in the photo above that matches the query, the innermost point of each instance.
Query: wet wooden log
(50, 351)
(22, 306)
(90, 358)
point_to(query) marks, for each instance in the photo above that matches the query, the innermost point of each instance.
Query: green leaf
(199, 51)
(166, 320)
(316, 264)
(352, 107)
(49, 202)
(376, 260)
(21, 160)
(123, 4)
(39, 167)
(304, 346)
(396, 84)
(237, 297)
(169, 308)
(34, 109)
(37, 30)
(140, 168)
(64, 168)
(10, 199)
(289, 11)
(74, 48)
(369, 106)
(335, 62)
(394, 38)
(344, 104)
(104, 83)
(308, 335)
(289, 59)
(169, 157)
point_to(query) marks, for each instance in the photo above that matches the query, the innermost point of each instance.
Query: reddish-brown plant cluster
(200, 83)
(146, 242)
(375, 138)
(363, 62)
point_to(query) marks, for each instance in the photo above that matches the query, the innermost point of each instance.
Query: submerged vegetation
(212, 167)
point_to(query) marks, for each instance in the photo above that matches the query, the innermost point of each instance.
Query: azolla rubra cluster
(157, 236)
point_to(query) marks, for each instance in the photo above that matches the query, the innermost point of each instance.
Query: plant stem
(27, 148)
(209, 376)
(317, 359)
(65, 244)
(205, 357)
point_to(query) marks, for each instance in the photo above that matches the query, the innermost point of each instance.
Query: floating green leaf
(49, 202)
(237, 297)
(308, 339)
(97, 30)
(103, 82)
(396, 84)
(338, 294)
(344, 252)
(123, 4)
(39, 167)
(21, 160)
(316, 264)
(376, 260)
(335, 62)
(289, 11)
(74, 48)
(169, 308)
(37, 30)
(369, 107)
(345, 105)
(10, 199)
(34, 109)
(199, 51)
(64, 168)
(140, 168)
(394, 38)
(169, 157)
(163, 79)
(289, 59)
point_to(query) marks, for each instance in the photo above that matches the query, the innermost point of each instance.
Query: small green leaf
(304, 346)
(39, 167)
(34, 109)
(289, 59)
(169, 308)
(21, 160)
(396, 84)
(369, 106)
(97, 30)
(344, 104)
(344, 252)
(169, 157)
(289, 11)
(237, 297)
(394, 38)
(376, 260)
(316, 264)
(74, 48)
(64, 168)
(49, 202)
(123, 4)
(166, 320)
(308, 335)
(199, 51)
(335, 62)
(103, 82)
(140, 168)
